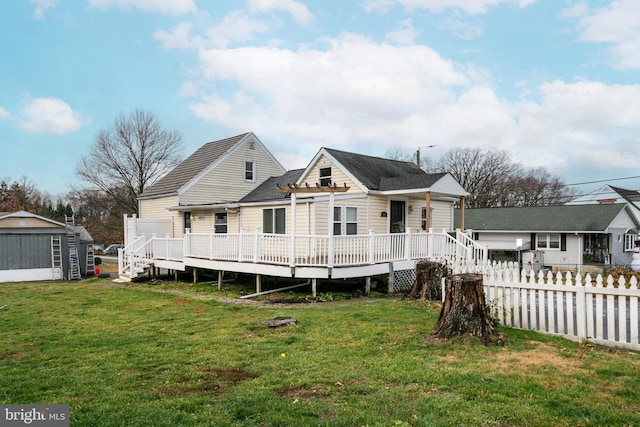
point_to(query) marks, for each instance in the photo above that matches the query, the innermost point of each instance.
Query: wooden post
(258, 284)
(314, 287)
(292, 249)
(220, 277)
(331, 219)
(367, 285)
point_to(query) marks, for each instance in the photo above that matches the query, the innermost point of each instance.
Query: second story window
(325, 176)
(249, 170)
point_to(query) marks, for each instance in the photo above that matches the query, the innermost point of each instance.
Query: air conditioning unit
(532, 260)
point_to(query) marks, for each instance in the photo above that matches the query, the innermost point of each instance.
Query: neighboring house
(33, 248)
(566, 237)
(197, 194)
(609, 194)
(344, 215)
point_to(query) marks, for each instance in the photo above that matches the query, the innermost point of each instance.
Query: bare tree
(493, 179)
(399, 153)
(22, 195)
(130, 156)
(484, 174)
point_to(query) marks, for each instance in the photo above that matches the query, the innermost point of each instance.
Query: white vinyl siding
(226, 181)
(338, 177)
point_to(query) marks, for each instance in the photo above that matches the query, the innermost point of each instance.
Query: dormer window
(249, 170)
(325, 176)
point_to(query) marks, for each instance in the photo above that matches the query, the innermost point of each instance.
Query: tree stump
(464, 311)
(427, 284)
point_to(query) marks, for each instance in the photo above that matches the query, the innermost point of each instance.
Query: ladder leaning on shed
(74, 264)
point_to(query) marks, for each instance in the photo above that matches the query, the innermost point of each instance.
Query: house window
(348, 223)
(274, 220)
(629, 241)
(325, 176)
(423, 218)
(249, 170)
(220, 222)
(548, 241)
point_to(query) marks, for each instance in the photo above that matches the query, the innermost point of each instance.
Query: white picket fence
(581, 308)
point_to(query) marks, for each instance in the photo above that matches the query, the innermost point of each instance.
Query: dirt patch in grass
(207, 379)
(542, 356)
(315, 391)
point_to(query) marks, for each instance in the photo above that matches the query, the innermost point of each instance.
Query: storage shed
(34, 248)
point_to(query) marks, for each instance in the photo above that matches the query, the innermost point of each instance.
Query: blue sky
(554, 82)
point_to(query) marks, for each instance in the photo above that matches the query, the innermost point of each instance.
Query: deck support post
(367, 285)
(292, 248)
(331, 220)
(258, 284)
(195, 275)
(314, 287)
(220, 277)
(391, 285)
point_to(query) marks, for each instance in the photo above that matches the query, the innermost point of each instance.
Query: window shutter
(563, 242)
(533, 244)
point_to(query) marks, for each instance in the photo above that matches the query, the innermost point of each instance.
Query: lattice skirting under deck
(403, 280)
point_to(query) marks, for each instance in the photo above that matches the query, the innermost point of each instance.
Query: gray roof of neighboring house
(562, 218)
(381, 174)
(631, 196)
(268, 189)
(192, 166)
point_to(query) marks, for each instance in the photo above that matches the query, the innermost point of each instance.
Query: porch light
(383, 214)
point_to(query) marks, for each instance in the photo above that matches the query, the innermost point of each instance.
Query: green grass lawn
(125, 356)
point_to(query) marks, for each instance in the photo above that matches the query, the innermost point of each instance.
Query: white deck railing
(301, 250)
(323, 250)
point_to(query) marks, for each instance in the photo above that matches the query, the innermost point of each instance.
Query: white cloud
(365, 96)
(616, 25)
(437, 6)
(179, 37)
(298, 11)
(4, 114)
(168, 7)
(49, 115)
(355, 90)
(236, 27)
(405, 35)
(41, 7)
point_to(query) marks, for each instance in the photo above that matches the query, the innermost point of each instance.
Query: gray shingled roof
(267, 190)
(381, 174)
(192, 166)
(631, 196)
(563, 218)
